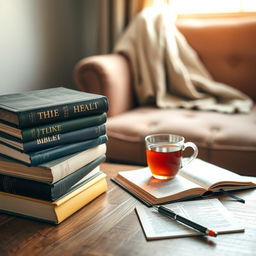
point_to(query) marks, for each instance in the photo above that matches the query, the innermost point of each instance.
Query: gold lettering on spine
(50, 129)
(76, 109)
(85, 107)
(65, 111)
(48, 114)
(31, 117)
(33, 133)
(48, 139)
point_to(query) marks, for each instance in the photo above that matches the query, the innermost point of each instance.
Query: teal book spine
(34, 133)
(47, 191)
(62, 112)
(38, 107)
(65, 138)
(49, 154)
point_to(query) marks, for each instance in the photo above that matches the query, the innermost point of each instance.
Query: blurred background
(42, 40)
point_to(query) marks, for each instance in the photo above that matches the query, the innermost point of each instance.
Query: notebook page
(210, 213)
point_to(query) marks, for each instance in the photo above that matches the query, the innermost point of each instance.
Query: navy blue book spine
(47, 191)
(65, 138)
(49, 154)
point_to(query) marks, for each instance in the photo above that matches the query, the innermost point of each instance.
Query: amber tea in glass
(164, 154)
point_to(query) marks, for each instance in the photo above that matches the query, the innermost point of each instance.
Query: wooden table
(109, 226)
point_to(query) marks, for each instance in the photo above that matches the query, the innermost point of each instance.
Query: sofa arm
(108, 75)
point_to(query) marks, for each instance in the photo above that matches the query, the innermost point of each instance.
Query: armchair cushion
(224, 139)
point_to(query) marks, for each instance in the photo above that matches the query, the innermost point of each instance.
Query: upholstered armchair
(227, 49)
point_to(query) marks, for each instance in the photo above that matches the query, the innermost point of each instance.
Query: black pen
(172, 215)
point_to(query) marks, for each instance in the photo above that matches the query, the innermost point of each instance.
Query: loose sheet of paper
(210, 213)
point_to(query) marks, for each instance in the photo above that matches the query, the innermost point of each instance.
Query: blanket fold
(168, 72)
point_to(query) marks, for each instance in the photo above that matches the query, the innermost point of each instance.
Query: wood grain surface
(109, 226)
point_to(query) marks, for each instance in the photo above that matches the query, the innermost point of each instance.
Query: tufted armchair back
(227, 47)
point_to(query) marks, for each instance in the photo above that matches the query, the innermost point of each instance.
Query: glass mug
(164, 154)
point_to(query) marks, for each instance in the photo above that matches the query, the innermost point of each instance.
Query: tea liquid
(164, 161)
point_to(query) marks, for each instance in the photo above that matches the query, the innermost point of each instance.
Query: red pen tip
(212, 233)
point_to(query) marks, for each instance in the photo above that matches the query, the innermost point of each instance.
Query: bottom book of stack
(59, 210)
(55, 190)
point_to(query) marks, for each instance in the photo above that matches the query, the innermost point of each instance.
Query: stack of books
(52, 142)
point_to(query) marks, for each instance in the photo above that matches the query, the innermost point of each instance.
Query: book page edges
(211, 176)
(9, 151)
(14, 168)
(9, 116)
(16, 144)
(29, 217)
(11, 130)
(231, 185)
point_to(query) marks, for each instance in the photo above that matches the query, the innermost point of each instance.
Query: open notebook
(197, 179)
(210, 213)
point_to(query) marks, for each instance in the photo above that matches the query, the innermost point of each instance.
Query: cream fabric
(167, 71)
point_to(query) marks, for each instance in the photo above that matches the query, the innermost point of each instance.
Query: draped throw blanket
(167, 71)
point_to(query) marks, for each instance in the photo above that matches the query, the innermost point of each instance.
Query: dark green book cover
(39, 107)
(47, 191)
(33, 133)
(54, 140)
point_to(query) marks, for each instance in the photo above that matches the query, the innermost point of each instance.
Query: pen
(172, 215)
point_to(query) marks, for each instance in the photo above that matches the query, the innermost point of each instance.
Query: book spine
(64, 210)
(46, 191)
(34, 133)
(18, 186)
(65, 185)
(77, 161)
(49, 154)
(65, 138)
(62, 112)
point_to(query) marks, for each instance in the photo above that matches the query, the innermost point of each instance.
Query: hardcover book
(34, 133)
(54, 140)
(57, 211)
(46, 155)
(38, 107)
(54, 170)
(46, 191)
(198, 179)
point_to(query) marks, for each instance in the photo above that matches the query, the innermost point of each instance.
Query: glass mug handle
(192, 145)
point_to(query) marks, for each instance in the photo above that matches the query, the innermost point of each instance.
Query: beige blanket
(168, 72)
